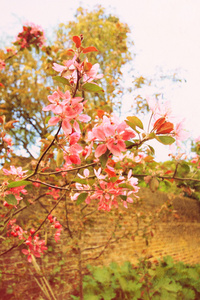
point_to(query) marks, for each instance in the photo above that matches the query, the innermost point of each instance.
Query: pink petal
(66, 126)
(100, 150)
(76, 127)
(57, 109)
(25, 251)
(53, 121)
(109, 129)
(99, 133)
(84, 118)
(47, 108)
(58, 68)
(29, 258)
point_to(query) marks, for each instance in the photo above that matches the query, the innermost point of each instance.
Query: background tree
(111, 37)
(27, 78)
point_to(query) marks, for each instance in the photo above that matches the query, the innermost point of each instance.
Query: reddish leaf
(77, 41)
(100, 113)
(167, 127)
(2, 119)
(169, 172)
(158, 123)
(110, 172)
(9, 125)
(89, 49)
(87, 66)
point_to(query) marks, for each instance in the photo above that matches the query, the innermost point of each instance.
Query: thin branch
(14, 246)
(47, 149)
(175, 171)
(49, 213)
(49, 185)
(24, 207)
(68, 170)
(67, 220)
(168, 177)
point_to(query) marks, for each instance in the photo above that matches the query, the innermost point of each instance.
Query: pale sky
(166, 34)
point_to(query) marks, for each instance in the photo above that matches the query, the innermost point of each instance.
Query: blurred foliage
(163, 279)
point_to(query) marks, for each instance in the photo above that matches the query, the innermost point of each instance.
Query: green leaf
(18, 183)
(62, 80)
(81, 198)
(104, 158)
(188, 294)
(80, 180)
(10, 199)
(59, 158)
(130, 145)
(47, 119)
(113, 179)
(184, 167)
(123, 197)
(134, 121)
(102, 275)
(151, 149)
(92, 87)
(127, 186)
(165, 139)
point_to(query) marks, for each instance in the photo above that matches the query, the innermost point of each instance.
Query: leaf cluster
(163, 279)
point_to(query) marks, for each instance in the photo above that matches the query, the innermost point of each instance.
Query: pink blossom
(86, 174)
(98, 174)
(71, 67)
(31, 35)
(197, 140)
(15, 171)
(72, 154)
(74, 137)
(55, 193)
(2, 64)
(113, 135)
(138, 158)
(36, 247)
(57, 106)
(56, 225)
(180, 134)
(160, 109)
(16, 230)
(69, 109)
(17, 191)
(92, 74)
(8, 141)
(195, 159)
(67, 65)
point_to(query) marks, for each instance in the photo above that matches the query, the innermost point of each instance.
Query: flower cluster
(74, 70)
(68, 110)
(16, 174)
(165, 122)
(56, 225)
(36, 247)
(2, 64)
(31, 35)
(86, 70)
(109, 191)
(111, 135)
(15, 230)
(55, 193)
